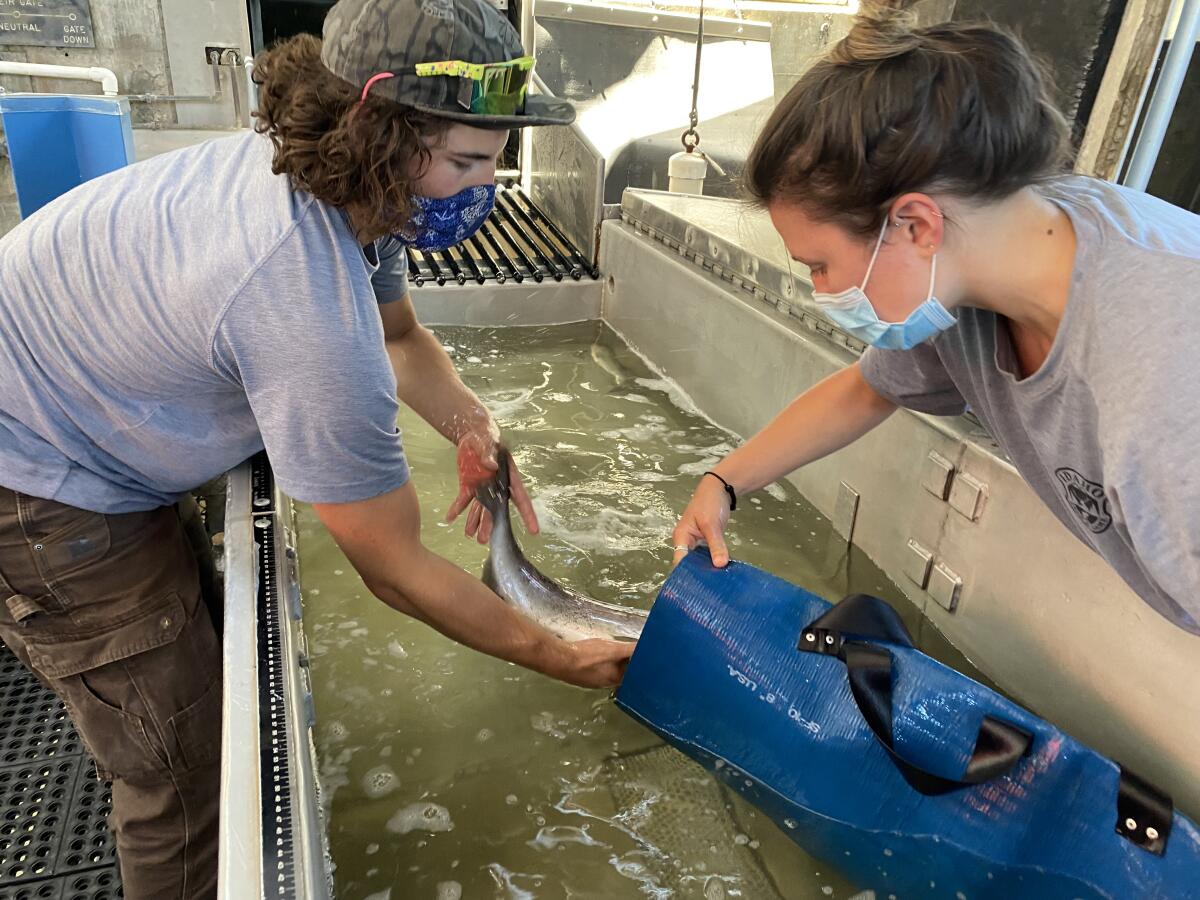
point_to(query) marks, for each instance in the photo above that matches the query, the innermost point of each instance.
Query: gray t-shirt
(1107, 430)
(165, 321)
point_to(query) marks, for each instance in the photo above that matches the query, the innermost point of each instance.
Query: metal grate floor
(54, 840)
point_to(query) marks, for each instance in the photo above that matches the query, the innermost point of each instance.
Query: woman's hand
(704, 520)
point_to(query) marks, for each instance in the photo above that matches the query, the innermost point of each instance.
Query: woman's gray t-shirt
(165, 321)
(1107, 431)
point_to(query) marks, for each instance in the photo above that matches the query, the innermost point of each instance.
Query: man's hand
(595, 663)
(476, 466)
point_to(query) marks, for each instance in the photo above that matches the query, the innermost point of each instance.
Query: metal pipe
(562, 238)
(1166, 93)
(487, 258)
(448, 258)
(470, 261)
(415, 274)
(251, 88)
(438, 276)
(542, 258)
(532, 230)
(486, 237)
(106, 77)
(515, 243)
(214, 64)
(528, 41)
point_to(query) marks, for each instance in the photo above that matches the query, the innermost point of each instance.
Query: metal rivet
(1131, 824)
(829, 638)
(165, 623)
(37, 546)
(1152, 832)
(810, 637)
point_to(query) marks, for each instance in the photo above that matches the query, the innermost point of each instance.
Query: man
(164, 322)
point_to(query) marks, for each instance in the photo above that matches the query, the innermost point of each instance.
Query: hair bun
(882, 29)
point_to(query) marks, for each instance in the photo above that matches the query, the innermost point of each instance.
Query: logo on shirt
(1087, 499)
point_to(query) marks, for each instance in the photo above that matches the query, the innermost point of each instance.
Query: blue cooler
(58, 141)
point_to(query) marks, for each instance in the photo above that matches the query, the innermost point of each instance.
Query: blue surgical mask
(441, 223)
(851, 311)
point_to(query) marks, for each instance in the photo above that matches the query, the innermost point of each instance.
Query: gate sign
(46, 23)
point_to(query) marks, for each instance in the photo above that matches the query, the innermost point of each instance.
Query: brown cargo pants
(109, 611)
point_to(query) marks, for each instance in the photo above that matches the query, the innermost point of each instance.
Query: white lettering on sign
(46, 23)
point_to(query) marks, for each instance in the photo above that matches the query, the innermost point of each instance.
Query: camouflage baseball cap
(390, 38)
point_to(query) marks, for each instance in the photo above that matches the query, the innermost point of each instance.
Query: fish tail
(495, 493)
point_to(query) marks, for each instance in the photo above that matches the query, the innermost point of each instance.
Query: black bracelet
(728, 489)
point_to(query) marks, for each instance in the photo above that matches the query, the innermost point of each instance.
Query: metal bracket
(917, 564)
(945, 587)
(936, 475)
(967, 495)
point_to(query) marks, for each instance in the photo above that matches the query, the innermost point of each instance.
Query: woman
(917, 172)
(164, 322)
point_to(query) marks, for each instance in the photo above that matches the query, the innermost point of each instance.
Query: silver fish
(567, 613)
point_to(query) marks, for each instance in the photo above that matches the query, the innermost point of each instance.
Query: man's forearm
(462, 608)
(427, 382)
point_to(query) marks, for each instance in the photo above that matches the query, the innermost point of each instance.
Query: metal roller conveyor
(518, 241)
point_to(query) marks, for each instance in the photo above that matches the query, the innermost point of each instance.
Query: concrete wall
(154, 47)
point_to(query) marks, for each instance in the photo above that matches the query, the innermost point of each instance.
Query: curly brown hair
(955, 107)
(357, 156)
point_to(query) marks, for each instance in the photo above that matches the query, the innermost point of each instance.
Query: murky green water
(450, 774)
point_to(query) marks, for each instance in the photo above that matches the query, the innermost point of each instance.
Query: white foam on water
(449, 890)
(484, 735)
(372, 849)
(421, 817)
(385, 894)
(546, 723)
(638, 433)
(606, 531)
(551, 837)
(776, 490)
(504, 879)
(379, 782)
(397, 650)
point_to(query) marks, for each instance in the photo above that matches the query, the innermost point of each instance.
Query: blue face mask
(441, 223)
(851, 311)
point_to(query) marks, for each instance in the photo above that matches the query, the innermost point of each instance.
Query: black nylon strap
(998, 745)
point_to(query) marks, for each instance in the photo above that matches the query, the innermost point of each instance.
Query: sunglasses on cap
(496, 89)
